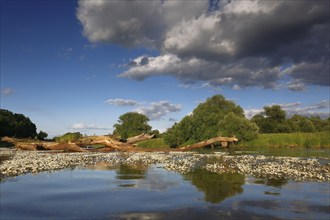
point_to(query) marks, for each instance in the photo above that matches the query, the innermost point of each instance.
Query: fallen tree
(107, 141)
(224, 141)
(138, 138)
(109, 144)
(78, 146)
(30, 144)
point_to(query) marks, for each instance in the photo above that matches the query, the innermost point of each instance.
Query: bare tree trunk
(224, 141)
(138, 138)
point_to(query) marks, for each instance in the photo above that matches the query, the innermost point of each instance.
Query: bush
(69, 137)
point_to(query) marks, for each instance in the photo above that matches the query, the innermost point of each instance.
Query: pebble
(294, 168)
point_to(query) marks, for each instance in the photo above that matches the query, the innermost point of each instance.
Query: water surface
(141, 192)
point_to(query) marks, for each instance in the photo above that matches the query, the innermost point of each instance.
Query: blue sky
(77, 66)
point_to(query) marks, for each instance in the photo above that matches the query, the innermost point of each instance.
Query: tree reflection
(126, 172)
(275, 182)
(216, 187)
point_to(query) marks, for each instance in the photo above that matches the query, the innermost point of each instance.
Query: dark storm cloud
(288, 24)
(234, 43)
(312, 73)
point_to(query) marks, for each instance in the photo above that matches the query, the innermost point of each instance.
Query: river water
(141, 192)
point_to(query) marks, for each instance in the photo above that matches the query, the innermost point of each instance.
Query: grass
(153, 143)
(307, 140)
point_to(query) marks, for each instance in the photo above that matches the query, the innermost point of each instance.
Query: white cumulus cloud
(82, 126)
(121, 102)
(156, 110)
(153, 110)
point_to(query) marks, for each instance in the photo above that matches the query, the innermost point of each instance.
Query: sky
(76, 66)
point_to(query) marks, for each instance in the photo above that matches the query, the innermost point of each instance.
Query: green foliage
(273, 120)
(243, 129)
(275, 113)
(16, 125)
(68, 137)
(206, 122)
(42, 135)
(153, 143)
(155, 132)
(179, 133)
(309, 140)
(131, 124)
(320, 124)
(300, 123)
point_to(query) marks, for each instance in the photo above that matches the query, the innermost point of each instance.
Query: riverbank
(293, 168)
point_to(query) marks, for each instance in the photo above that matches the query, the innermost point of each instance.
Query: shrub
(69, 137)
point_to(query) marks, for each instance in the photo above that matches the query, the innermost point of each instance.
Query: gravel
(17, 162)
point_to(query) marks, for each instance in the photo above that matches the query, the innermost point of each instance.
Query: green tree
(319, 123)
(275, 113)
(16, 125)
(203, 123)
(234, 125)
(272, 120)
(180, 133)
(131, 124)
(42, 135)
(300, 123)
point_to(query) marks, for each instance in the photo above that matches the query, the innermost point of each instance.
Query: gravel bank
(14, 163)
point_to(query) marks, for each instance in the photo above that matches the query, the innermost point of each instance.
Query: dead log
(138, 138)
(224, 141)
(67, 147)
(105, 140)
(30, 144)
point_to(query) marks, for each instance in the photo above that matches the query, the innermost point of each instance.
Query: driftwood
(138, 138)
(109, 143)
(106, 141)
(224, 141)
(28, 144)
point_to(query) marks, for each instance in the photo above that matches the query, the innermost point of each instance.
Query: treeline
(18, 126)
(215, 117)
(273, 120)
(220, 117)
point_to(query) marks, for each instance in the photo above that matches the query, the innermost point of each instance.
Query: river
(151, 192)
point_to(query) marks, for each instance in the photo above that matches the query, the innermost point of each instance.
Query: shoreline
(18, 162)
